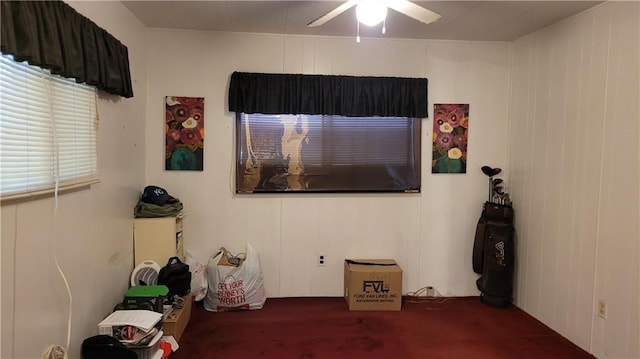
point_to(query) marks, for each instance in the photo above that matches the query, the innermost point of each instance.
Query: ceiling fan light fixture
(371, 12)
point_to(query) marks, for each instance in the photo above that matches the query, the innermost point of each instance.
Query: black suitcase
(494, 254)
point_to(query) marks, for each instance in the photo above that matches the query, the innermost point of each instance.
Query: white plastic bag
(198, 277)
(234, 287)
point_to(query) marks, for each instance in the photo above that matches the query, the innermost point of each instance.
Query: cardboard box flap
(369, 265)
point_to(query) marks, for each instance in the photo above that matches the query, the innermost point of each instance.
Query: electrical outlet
(602, 309)
(321, 260)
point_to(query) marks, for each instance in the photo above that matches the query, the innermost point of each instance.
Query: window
(316, 153)
(48, 131)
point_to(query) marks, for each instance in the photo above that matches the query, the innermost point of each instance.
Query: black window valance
(52, 35)
(328, 95)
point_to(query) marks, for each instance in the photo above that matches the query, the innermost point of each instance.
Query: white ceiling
(461, 20)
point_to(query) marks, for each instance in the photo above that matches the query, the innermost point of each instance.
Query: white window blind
(48, 131)
(316, 153)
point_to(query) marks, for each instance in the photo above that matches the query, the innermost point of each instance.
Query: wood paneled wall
(574, 175)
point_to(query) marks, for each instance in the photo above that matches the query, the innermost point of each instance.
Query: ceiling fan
(374, 12)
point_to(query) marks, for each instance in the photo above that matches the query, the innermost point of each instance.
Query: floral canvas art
(450, 136)
(184, 133)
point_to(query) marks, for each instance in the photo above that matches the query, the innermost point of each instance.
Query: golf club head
(487, 170)
(497, 181)
(499, 190)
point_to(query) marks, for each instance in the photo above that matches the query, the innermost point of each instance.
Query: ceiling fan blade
(333, 13)
(414, 11)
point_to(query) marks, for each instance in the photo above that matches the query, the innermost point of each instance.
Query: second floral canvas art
(450, 136)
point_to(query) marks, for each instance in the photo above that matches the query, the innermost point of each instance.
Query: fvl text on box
(372, 284)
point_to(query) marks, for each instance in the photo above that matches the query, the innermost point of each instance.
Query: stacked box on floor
(372, 284)
(177, 321)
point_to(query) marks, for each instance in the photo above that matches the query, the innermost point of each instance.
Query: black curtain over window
(356, 96)
(52, 35)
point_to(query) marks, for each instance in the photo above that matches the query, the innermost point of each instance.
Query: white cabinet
(157, 239)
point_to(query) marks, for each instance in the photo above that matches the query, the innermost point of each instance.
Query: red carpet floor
(460, 328)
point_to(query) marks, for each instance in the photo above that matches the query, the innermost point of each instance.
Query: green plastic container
(150, 297)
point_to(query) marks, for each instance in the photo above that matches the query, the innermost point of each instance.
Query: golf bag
(493, 254)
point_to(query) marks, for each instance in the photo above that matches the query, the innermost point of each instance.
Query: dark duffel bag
(494, 213)
(176, 276)
(493, 301)
(496, 282)
(497, 212)
(478, 246)
(497, 273)
(494, 254)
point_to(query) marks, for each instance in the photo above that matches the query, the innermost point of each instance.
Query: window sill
(47, 192)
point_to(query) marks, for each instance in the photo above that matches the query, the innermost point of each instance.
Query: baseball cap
(156, 195)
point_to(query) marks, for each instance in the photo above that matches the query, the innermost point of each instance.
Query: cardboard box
(177, 321)
(372, 284)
